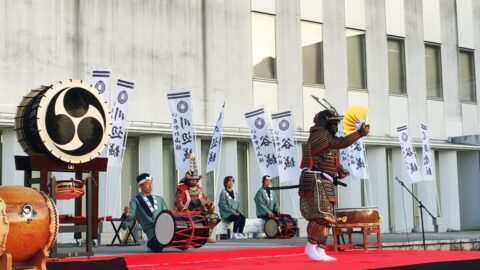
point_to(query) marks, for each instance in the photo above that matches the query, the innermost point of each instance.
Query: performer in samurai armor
(145, 207)
(191, 197)
(320, 170)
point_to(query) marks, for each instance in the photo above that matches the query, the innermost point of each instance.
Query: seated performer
(265, 200)
(190, 197)
(229, 204)
(321, 169)
(145, 207)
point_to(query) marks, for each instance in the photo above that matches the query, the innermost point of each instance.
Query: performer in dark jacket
(320, 168)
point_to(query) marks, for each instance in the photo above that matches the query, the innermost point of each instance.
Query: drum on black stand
(281, 226)
(181, 230)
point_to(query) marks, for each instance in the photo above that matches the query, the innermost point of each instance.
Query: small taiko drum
(282, 226)
(358, 215)
(181, 230)
(69, 189)
(28, 222)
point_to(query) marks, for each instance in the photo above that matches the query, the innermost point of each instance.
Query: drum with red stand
(281, 226)
(181, 230)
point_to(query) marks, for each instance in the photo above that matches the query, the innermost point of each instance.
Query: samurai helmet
(327, 116)
(192, 173)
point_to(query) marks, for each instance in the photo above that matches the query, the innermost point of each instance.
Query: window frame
(403, 63)
(472, 52)
(364, 55)
(321, 85)
(440, 69)
(260, 79)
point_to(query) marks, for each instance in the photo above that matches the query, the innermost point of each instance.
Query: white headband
(145, 180)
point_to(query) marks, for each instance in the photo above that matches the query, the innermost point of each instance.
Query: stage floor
(280, 258)
(283, 254)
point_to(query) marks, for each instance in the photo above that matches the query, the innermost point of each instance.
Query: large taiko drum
(69, 120)
(28, 222)
(181, 230)
(282, 226)
(358, 215)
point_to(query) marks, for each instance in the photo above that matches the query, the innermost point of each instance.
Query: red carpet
(293, 258)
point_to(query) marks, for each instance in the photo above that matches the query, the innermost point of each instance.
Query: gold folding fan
(354, 115)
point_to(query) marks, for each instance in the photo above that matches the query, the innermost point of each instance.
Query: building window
(312, 52)
(263, 43)
(467, 76)
(434, 70)
(396, 66)
(357, 75)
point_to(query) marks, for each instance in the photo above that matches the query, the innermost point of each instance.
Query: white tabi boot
(235, 236)
(311, 251)
(323, 255)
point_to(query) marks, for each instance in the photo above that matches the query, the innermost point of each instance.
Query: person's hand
(126, 210)
(236, 213)
(364, 129)
(270, 214)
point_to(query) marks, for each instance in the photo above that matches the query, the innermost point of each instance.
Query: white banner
(101, 82)
(353, 158)
(182, 127)
(214, 152)
(119, 104)
(409, 155)
(427, 168)
(287, 161)
(262, 142)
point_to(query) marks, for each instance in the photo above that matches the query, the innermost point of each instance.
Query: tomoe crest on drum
(69, 120)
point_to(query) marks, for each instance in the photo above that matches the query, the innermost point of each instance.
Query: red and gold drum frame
(362, 221)
(181, 229)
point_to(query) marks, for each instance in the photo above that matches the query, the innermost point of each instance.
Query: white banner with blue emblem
(182, 127)
(262, 141)
(352, 157)
(409, 154)
(101, 82)
(120, 104)
(287, 160)
(214, 151)
(427, 167)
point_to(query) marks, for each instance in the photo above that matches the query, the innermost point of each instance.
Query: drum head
(69, 120)
(271, 228)
(165, 227)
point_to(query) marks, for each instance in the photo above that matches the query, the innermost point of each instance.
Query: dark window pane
(467, 76)
(356, 59)
(433, 70)
(396, 66)
(312, 53)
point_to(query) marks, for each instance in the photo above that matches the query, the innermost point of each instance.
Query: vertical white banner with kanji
(262, 141)
(287, 161)
(182, 127)
(101, 82)
(409, 154)
(427, 167)
(119, 104)
(214, 151)
(352, 157)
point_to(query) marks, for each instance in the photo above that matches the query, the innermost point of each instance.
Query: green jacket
(228, 205)
(139, 213)
(265, 203)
